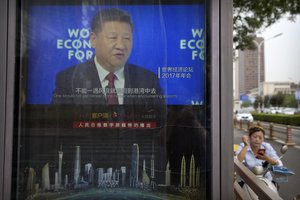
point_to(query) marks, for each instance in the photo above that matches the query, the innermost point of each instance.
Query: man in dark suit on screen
(107, 78)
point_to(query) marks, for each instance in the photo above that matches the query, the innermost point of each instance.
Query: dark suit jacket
(85, 76)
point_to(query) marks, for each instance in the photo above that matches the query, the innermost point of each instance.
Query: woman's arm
(270, 160)
(242, 154)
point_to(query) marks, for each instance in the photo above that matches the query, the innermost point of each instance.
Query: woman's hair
(254, 129)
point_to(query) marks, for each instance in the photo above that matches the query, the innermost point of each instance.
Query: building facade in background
(248, 68)
(273, 88)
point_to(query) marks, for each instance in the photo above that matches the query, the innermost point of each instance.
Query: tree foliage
(258, 102)
(246, 104)
(250, 17)
(267, 101)
(290, 101)
(277, 100)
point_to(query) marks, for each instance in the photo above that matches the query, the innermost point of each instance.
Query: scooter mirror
(284, 148)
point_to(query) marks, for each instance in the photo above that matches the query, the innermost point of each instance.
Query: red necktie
(111, 93)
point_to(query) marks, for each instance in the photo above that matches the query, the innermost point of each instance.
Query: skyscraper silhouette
(183, 172)
(77, 164)
(123, 171)
(134, 174)
(45, 178)
(145, 177)
(168, 175)
(192, 177)
(152, 163)
(60, 157)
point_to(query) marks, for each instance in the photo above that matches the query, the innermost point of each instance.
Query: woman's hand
(262, 157)
(267, 158)
(245, 140)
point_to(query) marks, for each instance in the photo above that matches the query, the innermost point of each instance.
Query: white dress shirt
(119, 82)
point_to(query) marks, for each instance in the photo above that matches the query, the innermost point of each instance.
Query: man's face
(113, 44)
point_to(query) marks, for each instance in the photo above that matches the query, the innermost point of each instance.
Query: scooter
(279, 173)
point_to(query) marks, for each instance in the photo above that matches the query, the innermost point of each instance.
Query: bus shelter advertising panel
(113, 101)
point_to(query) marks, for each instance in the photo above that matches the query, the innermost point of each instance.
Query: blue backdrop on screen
(167, 39)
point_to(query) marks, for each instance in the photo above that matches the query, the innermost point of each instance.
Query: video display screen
(168, 40)
(112, 101)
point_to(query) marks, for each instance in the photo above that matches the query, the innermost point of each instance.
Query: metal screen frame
(219, 50)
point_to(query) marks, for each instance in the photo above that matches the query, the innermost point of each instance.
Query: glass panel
(139, 133)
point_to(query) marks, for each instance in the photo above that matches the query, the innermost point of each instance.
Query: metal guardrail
(260, 189)
(270, 129)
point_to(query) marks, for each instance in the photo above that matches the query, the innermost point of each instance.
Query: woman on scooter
(253, 151)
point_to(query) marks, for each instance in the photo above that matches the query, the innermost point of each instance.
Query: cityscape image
(86, 180)
(58, 161)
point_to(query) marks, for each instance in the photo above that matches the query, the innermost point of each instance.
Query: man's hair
(110, 15)
(254, 129)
